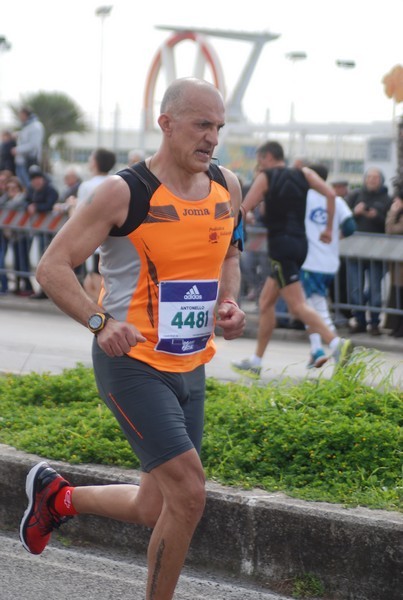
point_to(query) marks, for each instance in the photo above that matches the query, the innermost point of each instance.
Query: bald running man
(168, 230)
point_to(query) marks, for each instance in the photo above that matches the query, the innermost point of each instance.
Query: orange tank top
(163, 277)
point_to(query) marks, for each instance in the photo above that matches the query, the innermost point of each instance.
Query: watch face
(95, 322)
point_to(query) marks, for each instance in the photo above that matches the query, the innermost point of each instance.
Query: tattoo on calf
(157, 569)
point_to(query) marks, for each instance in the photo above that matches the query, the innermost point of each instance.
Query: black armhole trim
(142, 184)
(215, 173)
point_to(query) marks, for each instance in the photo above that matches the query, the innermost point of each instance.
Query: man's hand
(231, 319)
(371, 213)
(250, 218)
(326, 236)
(118, 337)
(396, 206)
(360, 209)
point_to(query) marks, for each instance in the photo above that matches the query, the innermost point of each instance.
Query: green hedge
(335, 440)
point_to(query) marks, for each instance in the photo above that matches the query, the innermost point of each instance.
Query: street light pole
(293, 57)
(5, 46)
(347, 65)
(102, 12)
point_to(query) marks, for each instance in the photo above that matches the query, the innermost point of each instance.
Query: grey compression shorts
(160, 413)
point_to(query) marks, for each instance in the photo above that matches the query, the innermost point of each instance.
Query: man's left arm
(229, 316)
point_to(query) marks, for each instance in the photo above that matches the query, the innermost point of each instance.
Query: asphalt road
(40, 338)
(77, 574)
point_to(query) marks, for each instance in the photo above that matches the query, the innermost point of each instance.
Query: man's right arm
(256, 193)
(75, 242)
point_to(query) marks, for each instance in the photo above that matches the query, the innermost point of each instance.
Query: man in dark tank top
(284, 192)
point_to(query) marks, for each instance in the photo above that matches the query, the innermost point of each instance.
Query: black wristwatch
(97, 322)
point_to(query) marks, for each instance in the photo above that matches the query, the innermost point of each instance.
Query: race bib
(186, 315)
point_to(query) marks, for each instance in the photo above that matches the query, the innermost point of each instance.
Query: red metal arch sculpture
(162, 59)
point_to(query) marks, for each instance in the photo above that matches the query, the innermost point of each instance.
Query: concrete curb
(260, 537)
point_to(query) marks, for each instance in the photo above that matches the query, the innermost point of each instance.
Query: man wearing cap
(341, 187)
(42, 196)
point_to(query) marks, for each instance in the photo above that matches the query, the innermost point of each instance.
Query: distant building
(347, 149)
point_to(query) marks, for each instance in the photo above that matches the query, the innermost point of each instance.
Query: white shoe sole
(320, 362)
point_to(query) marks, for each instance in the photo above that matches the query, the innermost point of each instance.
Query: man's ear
(165, 123)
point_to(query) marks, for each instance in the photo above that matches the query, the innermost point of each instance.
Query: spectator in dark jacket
(370, 205)
(7, 160)
(42, 197)
(20, 241)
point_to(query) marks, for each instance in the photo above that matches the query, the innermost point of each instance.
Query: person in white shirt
(322, 261)
(101, 162)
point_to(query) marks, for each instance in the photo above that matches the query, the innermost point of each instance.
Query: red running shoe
(40, 519)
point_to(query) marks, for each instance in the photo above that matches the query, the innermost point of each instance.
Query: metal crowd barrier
(387, 250)
(365, 249)
(19, 231)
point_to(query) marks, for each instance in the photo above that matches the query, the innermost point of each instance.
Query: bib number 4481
(192, 319)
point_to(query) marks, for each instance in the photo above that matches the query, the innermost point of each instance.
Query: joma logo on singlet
(195, 212)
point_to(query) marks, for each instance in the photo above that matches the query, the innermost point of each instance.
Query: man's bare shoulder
(115, 183)
(234, 187)
(230, 177)
(110, 200)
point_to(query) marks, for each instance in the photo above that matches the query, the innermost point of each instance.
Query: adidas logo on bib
(193, 294)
